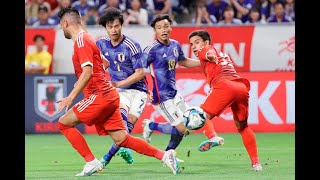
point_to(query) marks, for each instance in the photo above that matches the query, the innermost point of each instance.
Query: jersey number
(118, 66)
(171, 64)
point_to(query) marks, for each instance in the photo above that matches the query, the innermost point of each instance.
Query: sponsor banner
(41, 94)
(233, 40)
(271, 104)
(49, 35)
(252, 48)
(273, 48)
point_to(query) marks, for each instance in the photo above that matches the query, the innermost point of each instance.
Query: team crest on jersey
(175, 52)
(121, 57)
(47, 90)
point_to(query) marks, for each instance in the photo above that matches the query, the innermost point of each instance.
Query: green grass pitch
(52, 157)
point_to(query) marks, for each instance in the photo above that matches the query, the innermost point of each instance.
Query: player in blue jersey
(124, 62)
(162, 56)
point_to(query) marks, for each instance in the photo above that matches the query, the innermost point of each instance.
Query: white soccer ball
(194, 118)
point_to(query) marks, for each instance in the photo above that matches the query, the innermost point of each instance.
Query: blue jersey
(162, 60)
(124, 58)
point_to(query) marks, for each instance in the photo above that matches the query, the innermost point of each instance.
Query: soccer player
(100, 106)
(227, 89)
(123, 58)
(162, 56)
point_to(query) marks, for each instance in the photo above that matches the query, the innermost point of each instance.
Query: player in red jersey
(227, 89)
(100, 106)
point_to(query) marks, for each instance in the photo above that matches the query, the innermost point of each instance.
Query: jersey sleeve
(147, 57)
(181, 56)
(202, 54)
(137, 59)
(84, 51)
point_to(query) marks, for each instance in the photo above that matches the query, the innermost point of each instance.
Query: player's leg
(66, 125)
(240, 115)
(137, 100)
(122, 139)
(171, 112)
(114, 126)
(216, 102)
(124, 153)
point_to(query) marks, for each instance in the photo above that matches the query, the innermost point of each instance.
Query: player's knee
(241, 125)
(62, 127)
(119, 137)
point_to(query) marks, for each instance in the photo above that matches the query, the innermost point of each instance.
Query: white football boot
(170, 160)
(91, 167)
(146, 130)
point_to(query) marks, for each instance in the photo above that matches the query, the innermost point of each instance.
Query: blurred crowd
(141, 12)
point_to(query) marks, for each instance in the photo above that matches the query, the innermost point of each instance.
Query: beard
(66, 35)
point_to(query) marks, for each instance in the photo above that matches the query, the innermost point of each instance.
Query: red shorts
(228, 93)
(101, 111)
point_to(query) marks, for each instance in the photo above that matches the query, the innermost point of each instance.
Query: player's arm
(208, 53)
(190, 63)
(83, 80)
(105, 61)
(136, 76)
(85, 55)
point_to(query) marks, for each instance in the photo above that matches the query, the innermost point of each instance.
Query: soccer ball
(194, 118)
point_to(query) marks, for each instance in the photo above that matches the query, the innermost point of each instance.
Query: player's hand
(64, 103)
(212, 57)
(150, 97)
(115, 84)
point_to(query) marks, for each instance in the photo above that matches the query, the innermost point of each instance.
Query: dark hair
(43, 7)
(38, 36)
(110, 14)
(68, 10)
(278, 3)
(159, 18)
(201, 33)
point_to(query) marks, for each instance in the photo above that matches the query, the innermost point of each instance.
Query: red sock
(208, 129)
(249, 141)
(77, 141)
(141, 147)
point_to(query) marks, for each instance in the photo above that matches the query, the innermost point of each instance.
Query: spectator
(109, 3)
(162, 7)
(264, 6)
(82, 6)
(31, 10)
(43, 18)
(290, 9)
(202, 15)
(136, 14)
(39, 61)
(91, 17)
(254, 16)
(242, 8)
(61, 5)
(228, 17)
(279, 14)
(216, 8)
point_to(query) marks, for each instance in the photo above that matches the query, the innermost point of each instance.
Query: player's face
(163, 29)
(114, 29)
(196, 43)
(64, 25)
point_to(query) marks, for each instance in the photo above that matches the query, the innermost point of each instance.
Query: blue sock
(114, 148)
(165, 128)
(176, 138)
(112, 151)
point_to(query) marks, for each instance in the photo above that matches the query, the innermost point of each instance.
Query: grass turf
(52, 157)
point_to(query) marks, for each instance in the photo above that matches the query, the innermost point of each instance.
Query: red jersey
(216, 71)
(85, 51)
